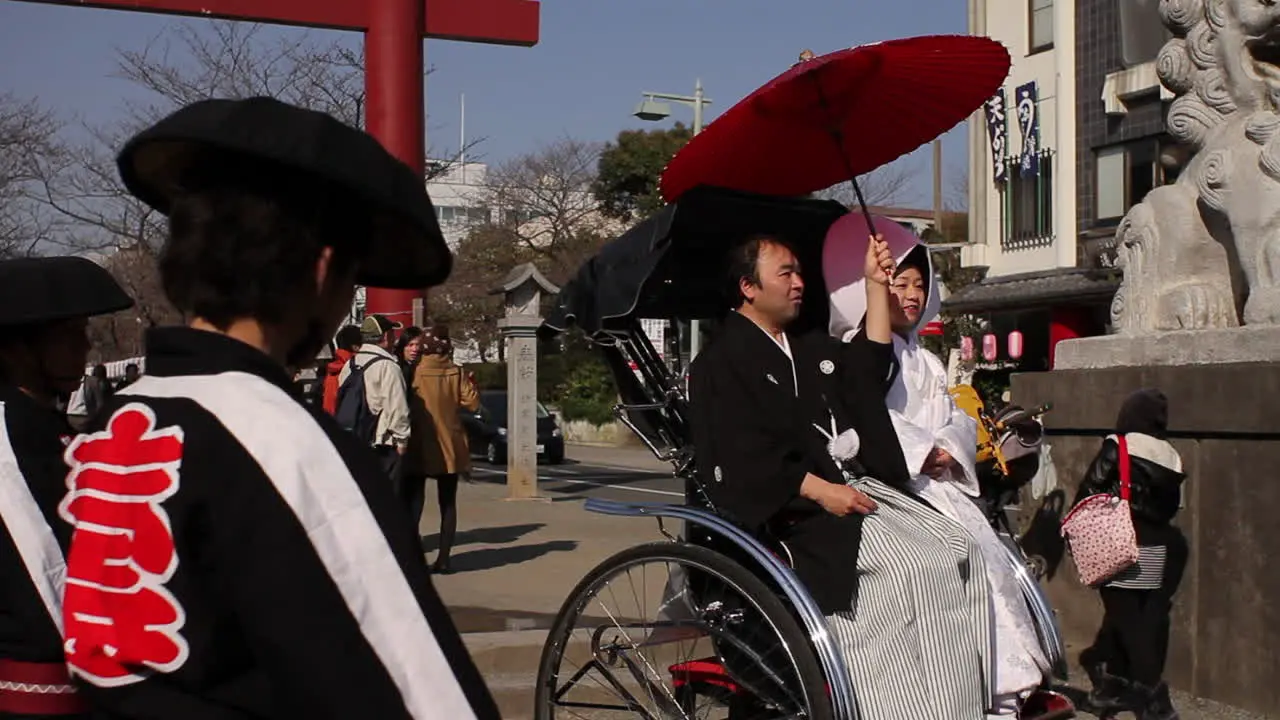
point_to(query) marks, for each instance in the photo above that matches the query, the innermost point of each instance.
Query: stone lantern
(522, 292)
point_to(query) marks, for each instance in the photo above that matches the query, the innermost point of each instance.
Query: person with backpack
(373, 401)
(345, 344)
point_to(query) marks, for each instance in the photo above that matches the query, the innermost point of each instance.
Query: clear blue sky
(582, 80)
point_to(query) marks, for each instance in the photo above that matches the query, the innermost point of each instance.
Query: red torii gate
(394, 30)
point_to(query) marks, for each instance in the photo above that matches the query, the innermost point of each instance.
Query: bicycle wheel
(698, 636)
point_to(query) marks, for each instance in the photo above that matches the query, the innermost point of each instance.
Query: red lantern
(990, 348)
(932, 328)
(966, 349)
(1015, 344)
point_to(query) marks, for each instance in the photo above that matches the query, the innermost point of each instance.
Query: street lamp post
(652, 109)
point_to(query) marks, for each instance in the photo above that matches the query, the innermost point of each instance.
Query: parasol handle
(834, 129)
(862, 202)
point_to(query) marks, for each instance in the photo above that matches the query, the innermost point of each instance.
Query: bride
(938, 439)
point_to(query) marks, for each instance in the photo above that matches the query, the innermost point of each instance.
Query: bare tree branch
(77, 183)
(182, 65)
(886, 186)
(544, 198)
(28, 134)
(534, 208)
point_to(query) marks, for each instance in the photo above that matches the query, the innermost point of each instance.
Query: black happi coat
(272, 568)
(32, 549)
(36, 436)
(755, 439)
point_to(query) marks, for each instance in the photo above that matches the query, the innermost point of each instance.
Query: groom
(780, 419)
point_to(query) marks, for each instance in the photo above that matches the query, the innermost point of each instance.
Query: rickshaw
(710, 620)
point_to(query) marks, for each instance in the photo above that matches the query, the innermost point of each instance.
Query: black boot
(1109, 691)
(1154, 703)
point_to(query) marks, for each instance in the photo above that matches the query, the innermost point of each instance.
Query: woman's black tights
(447, 496)
(1133, 641)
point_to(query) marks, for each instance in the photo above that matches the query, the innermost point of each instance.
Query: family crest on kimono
(795, 441)
(938, 439)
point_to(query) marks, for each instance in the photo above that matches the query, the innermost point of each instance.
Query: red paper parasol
(840, 115)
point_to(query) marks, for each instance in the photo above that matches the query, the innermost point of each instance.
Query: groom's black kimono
(755, 417)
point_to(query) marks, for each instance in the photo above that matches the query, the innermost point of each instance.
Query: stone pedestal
(1248, 344)
(520, 332)
(522, 291)
(1224, 420)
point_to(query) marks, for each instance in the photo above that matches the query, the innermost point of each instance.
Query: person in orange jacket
(347, 341)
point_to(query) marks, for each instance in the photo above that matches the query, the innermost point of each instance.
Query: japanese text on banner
(1029, 123)
(998, 132)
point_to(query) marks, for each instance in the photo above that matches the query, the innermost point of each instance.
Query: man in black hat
(236, 553)
(45, 304)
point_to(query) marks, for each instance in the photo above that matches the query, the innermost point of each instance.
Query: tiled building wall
(1098, 53)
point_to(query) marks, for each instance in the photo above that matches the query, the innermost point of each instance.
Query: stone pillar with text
(522, 292)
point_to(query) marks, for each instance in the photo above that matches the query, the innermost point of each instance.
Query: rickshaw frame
(647, 273)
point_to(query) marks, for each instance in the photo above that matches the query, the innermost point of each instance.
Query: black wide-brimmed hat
(45, 289)
(406, 248)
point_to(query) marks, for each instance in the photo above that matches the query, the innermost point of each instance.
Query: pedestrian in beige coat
(438, 443)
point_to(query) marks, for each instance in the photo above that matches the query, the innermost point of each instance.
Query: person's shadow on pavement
(490, 558)
(483, 536)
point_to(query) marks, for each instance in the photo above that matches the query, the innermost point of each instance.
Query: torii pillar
(394, 31)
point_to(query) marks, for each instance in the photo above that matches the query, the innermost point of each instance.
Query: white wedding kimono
(925, 417)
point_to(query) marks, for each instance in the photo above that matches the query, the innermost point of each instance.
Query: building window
(518, 216)
(1126, 173)
(1142, 32)
(1028, 205)
(1040, 15)
(461, 214)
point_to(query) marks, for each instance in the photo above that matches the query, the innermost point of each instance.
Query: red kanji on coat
(119, 617)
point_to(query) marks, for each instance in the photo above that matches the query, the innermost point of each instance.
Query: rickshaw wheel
(738, 652)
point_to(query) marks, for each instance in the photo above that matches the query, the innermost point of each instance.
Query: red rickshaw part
(1047, 705)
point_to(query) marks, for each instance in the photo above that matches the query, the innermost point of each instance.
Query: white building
(459, 196)
(916, 220)
(1025, 221)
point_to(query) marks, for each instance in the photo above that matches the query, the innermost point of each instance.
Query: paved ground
(597, 472)
(517, 561)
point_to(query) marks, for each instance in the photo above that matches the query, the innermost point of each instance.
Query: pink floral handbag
(1099, 531)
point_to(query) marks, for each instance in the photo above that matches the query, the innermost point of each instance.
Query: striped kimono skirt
(918, 640)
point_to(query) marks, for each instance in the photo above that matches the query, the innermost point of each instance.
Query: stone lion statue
(1205, 251)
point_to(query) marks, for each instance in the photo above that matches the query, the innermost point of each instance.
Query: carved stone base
(1225, 423)
(1248, 344)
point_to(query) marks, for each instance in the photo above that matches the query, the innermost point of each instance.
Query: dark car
(487, 430)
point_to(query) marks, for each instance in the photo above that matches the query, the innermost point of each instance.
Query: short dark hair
(406, 336)
(744, 264)
(244, 236)
(349, 337)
